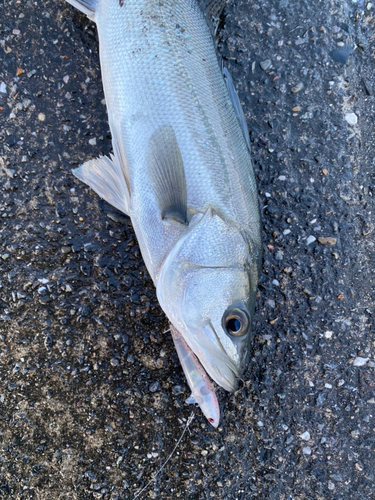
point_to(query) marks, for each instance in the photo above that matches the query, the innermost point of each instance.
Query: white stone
(360, 361)
(351, 118)
(305, 436)
(310, 239)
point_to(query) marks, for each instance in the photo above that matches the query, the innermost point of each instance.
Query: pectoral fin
(167, 174)
(88, 7)
(106, 178)
(236, 104)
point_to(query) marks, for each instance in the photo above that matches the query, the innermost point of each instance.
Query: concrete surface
(91, 391)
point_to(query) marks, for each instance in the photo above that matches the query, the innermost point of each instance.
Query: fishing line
(189, 421)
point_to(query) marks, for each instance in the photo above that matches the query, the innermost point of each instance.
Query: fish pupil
(234, 325)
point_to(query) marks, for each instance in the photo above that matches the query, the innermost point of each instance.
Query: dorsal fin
(236, 104)
(212, 9)
(167, 174)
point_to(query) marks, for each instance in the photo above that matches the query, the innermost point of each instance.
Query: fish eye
(236, 322)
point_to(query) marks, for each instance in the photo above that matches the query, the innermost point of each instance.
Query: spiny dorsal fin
(212, 10)
(88, 7)
(167, 174)
(105, 177)
(236, 104)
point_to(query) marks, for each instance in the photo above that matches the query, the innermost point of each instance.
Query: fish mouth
(215, 359)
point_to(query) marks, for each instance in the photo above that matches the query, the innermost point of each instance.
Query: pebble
(341, 55)
(351, 118)
(327, 241)
(265, 64)
(286, 231)
(114, 362)
(297, 88)
(359, 361)
(41, 117)
(368, 6)
(66, 78)
(328, 334)
(177, 389)
(3, 88)
(305, 436)
(89, 247)
(331, 485)
(275, 282)
(92, 142)
(154, 387)
(307, 450)
(44, 300)
(310, 239)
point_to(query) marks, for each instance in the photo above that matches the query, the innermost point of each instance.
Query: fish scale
(181, 170)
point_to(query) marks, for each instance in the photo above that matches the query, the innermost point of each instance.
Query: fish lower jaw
(228, 383)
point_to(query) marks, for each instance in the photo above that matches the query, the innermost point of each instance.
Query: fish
(181, 170)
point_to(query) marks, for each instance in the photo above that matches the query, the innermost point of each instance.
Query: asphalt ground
(91, 391)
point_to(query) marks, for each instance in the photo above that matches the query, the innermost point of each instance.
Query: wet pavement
(91, 391)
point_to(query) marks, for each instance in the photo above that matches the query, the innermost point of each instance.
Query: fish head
(207, 288)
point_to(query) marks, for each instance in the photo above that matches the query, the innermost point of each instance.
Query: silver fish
(181, 170)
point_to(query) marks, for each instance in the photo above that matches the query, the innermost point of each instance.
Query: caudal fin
(88, 7)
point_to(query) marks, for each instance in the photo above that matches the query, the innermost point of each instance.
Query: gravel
(78, 363)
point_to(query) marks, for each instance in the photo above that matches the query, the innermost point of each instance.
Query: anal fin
(167, 174)
(106, 178)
